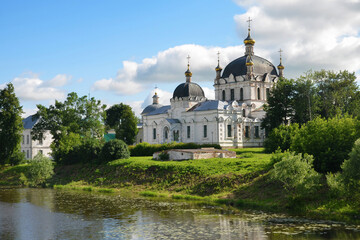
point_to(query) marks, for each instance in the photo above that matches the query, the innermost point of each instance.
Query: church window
(247, 131)
(258, 93)
(41, 152)
(267, 93)
(41, 139)
(188, 131)
(23, 139)
(257, 132)
(229, 130)
(241, 94)
(154, 133)
(232, 95)
(205, 131)
(244, 113)
(27, 154)
(223, 95)
(27, 139)
(166, 134)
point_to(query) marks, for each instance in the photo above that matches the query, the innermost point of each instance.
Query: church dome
(188, 89)
(261, 66)
(150, 108)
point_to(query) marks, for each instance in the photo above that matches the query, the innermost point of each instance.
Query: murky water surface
(55, 214)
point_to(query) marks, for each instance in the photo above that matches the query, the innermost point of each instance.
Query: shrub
(164, 156)
(114, 149)
(296, 173)
(17, 158)
(146, 149)
(40, 169)
(278, 155)
(351, 169)
(329, 141)
(281, 137)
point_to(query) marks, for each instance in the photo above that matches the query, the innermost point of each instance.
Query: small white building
(32, 147)
(233, 119)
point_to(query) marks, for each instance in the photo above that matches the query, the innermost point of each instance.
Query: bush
(278, 156)
(296, 173)
(280, 137)
(146, 149)
(114, 149)
(17, 158)
(87, 152)
(329, 141)
(164, 156)
(40, 169)
(351, 169)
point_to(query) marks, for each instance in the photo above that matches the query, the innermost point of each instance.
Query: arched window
(267, 93)
(232, 94)
(243, 112)
(223, 95)
(166, 133)
(258, 93)
(241, 94)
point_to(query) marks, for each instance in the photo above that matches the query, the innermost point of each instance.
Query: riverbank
(243, 182)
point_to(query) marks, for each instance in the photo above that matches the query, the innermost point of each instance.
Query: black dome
(238, 67)
(188, 89)
(150, 108)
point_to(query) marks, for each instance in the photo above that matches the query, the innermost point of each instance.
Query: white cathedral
(233, 119)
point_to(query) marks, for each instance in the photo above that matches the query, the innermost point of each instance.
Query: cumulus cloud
(31, 87)
(58, 81)
(169, 66)
(313, 34)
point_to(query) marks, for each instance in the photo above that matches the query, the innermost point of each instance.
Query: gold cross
(188, 58)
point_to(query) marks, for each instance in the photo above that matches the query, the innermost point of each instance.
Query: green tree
(41, 168)
(11, 125)
(279, 107)
(329, 141)
(123, 120)
(280, 137)
(350, 174)
(79, 115)
(337, 92)
(114, 149)
(296, 173)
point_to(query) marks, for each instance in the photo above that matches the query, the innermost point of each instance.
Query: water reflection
(50, 214)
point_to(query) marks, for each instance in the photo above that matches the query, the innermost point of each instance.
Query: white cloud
(164, 97)
(58, 81)
(31, 87)
(313, 34)
(169, 66)
(209, 93)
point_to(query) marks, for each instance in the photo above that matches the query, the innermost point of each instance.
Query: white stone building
(32, 147)
(233, 119)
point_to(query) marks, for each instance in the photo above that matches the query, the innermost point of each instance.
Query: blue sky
(119, 50)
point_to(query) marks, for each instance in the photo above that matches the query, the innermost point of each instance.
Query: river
(36, 214)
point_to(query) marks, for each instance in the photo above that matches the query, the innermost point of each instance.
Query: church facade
(233, 119)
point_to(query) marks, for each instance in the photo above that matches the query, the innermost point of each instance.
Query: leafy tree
(329, 141)
(41, 168)
(337, 92)
(11, 125)
(351, 169)
(281, 137)
(279, 107)
(320, 93)
(78, 115)
(64, 147)
(123, 120)
(296, 173)
(114, 149)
